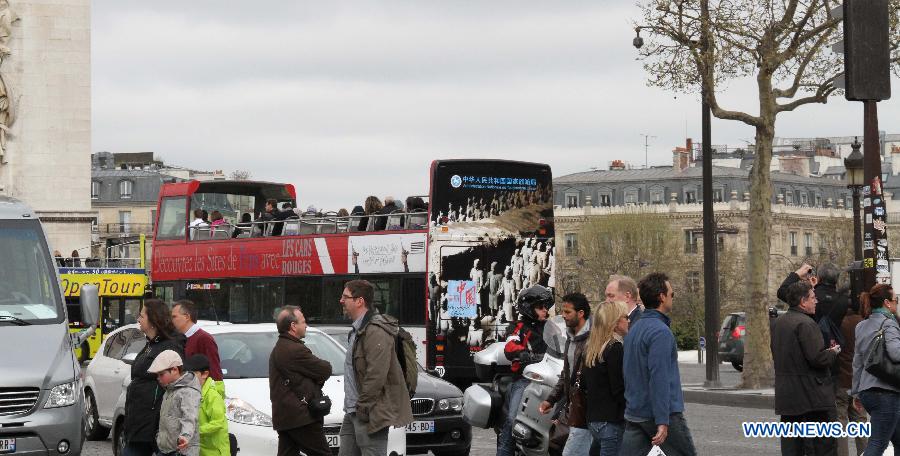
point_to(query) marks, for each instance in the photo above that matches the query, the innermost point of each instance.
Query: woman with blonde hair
(602, 377)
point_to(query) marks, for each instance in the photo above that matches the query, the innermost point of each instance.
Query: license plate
(7, 445)
(420, 427)
(334, 440)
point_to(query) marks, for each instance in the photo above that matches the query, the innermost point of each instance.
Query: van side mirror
(129, 358)
(90, 310)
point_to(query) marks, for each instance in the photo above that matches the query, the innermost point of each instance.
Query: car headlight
(242, 412)
(450, 404)
(61, 396)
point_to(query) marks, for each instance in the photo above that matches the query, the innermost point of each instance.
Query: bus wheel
(85, 352)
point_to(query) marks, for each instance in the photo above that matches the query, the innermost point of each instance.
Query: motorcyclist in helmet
(525, 345)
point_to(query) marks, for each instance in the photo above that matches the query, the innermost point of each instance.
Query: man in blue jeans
(524, 346)
(654, 402)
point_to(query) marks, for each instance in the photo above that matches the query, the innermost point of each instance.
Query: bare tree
(240, 175)
(633, 244)
(785, 46)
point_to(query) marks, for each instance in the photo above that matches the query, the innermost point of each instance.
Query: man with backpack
(376, 390)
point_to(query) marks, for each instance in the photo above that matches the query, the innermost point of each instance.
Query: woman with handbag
(876, 362)
(603, 381)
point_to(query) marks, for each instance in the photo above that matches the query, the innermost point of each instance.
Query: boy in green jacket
(211, 420)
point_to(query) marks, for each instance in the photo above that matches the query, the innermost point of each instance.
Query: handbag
(878, 363)
(576, 410)
(319, 407)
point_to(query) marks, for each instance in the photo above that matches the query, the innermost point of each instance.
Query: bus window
(413, 309)
(112, 313)
(306, 292)
(238, 303)
(387, 295)
(172, 218)
(267, 297)
(132, 310)
(164, 292)
(332, 312)
(211, 299)
(73, 307)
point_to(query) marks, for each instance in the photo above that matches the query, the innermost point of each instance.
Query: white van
(41, 400)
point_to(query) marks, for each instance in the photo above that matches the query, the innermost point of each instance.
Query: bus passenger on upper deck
(372, 206)
(216, 218)
(245, 226)
(198, 219)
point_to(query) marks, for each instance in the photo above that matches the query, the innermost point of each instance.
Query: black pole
(872, 169)
(710, 268)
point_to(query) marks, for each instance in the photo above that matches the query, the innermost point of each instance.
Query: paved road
(716, 431)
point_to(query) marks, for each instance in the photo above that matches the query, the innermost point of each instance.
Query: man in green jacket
(375, 394)
(211, 419)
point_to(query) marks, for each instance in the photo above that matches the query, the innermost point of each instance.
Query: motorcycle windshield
(555, 336)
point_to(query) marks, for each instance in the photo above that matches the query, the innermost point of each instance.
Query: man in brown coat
(296, 377)
(804, 390)
(375, 394)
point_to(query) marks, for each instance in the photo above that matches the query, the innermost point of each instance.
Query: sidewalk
(693, 376)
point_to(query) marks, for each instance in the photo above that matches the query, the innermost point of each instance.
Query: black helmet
(532, 296)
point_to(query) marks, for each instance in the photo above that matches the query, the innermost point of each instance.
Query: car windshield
(29, 289)
(246, 354)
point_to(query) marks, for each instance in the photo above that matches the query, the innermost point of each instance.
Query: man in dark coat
(804, 389)
(296, 377)
(577, 313)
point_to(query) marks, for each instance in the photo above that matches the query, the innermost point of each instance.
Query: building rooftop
(667, 173)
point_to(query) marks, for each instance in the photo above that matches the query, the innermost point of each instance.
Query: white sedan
(244, 352)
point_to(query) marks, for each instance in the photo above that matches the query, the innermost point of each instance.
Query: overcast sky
(357, 98)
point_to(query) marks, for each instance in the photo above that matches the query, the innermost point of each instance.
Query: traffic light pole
(873, 201)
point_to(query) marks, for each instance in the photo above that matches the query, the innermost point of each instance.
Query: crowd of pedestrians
(619, 392)
(837, 359)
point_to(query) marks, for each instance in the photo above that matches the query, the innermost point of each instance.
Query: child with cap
(213, 427)
(177, 433)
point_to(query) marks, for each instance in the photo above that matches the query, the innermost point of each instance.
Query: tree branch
(801, 70)
(821, 96)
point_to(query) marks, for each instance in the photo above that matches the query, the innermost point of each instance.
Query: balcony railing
(125, 228)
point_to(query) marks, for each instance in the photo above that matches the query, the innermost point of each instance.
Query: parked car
(437, 410)
(244, 352)
(731, 336)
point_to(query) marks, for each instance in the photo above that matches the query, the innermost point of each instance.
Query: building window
(124, 221)
(804, 199)
(718, 195)
(631, 197)
(692, 281)
(571, 200)
(690, 196)
(793, 241)
(605, 199)
(656, 196)
(125, 188)
(571, 244)
(690, 242)
(720, 242)
(95, 190)
(818, 200)
(789, 197)
(809, 243)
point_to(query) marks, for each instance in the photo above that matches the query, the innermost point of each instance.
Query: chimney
(681, 156)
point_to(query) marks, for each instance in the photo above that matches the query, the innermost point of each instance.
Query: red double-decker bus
(448, 268)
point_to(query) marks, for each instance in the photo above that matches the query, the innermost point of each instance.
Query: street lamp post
(854, 164)
(710, 260)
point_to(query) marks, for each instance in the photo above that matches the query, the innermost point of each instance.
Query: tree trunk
(758, 367)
